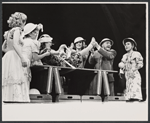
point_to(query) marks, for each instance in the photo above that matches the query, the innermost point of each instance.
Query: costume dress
(15, 84)
(132, 61)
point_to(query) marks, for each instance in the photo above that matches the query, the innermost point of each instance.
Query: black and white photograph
(74, 61)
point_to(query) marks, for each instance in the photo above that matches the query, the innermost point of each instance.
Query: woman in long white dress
(14, 80)
(131, 62)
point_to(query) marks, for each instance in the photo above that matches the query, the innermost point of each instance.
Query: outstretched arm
(54, 52)
(86, 50)
(37, 57)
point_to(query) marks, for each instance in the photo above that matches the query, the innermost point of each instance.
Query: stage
(76, 111)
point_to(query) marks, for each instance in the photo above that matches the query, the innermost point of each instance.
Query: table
(42, 78)
(78, 81)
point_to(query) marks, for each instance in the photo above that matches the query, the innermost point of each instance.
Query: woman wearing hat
(130, 63)
(14, 84)
(103, 59)
(31, 47)
(46, 43)
(81, 51)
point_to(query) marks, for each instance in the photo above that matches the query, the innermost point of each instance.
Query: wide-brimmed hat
(78, 39)
(29, 28)
(129, 40)
(106, 39)
(45, 38)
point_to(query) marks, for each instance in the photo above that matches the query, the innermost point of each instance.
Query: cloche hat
(29, 28)
(78, 39)
(45, 38)
(104, 40)
(129, 40)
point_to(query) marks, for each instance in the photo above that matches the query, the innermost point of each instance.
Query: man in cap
(103, 59)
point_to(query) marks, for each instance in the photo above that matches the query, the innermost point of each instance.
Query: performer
(103, 59)
(79, 45)
(79, 56)
(14, 81)
(30, 49)
(46, 44)
(131, 62)
(66, 57)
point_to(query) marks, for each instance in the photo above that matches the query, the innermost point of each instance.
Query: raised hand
(40, 27)
(62, 47)
(93, 42)
(71, 46)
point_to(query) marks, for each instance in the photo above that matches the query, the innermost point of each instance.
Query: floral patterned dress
(132, 62)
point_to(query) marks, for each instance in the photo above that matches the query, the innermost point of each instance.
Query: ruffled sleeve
(10, 33)
(138, 59)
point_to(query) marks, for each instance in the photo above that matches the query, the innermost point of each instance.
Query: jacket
(103, 60)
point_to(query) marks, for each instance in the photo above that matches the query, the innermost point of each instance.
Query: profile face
(79, 45)
(106, 45)
(128, 46)
(34, 34)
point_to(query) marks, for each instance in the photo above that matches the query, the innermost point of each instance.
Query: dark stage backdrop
(65, 22)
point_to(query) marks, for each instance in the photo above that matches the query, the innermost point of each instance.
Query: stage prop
(75, 82)
(65, 83)
(68, 98)
(40, 98)
(42, 78)
(114, 98)
(91, 98)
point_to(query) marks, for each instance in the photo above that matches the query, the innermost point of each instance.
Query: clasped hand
(40, 27)
(94, 43)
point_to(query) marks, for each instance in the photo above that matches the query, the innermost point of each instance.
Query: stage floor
(76, 111)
